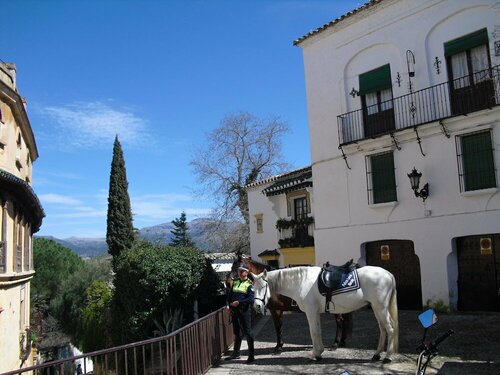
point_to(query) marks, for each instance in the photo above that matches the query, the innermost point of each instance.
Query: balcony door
(471, 84)
(375, 89)
(300, 213)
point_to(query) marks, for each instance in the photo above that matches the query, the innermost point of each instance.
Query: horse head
(261, 291)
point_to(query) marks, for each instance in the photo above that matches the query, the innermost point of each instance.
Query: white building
(281, 219)
(398, 84)
(222, 263)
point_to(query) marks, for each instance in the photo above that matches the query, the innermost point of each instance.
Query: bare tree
(242, 150)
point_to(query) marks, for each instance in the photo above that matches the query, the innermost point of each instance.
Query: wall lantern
(354, 92)
(414, 177)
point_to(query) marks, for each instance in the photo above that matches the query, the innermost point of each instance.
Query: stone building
(20, 216)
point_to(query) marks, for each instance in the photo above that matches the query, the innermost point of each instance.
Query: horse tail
(393, 312)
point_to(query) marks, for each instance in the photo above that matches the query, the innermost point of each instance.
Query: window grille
(380, 177)
(476, 166)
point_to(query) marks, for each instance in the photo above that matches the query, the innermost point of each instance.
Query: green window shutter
(478, 163)
(466, 42)
(383, 179)
(375, 80)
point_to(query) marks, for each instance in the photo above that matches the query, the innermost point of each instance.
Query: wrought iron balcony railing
(460, 96)
(296, 233)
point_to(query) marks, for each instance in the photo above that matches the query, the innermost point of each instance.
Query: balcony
(295, 233)
(461, 96)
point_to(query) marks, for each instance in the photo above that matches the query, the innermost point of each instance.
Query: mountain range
(161, 233)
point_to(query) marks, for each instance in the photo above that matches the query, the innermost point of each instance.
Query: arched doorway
(478, 272)
(399, 258)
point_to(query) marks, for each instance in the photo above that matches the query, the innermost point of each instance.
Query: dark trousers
(242, 326)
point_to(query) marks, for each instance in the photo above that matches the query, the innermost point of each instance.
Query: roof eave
(335, 22)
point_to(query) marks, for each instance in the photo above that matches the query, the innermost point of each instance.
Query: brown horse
(278, 304)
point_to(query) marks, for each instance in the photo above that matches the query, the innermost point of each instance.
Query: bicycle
(428, 350)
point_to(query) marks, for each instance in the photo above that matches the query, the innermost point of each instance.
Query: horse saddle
(337, 279)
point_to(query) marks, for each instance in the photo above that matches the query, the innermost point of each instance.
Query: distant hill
(85, 247)
(161, 233)
(90, 247)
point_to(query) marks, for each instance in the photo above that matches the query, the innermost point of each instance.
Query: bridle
(263, 300)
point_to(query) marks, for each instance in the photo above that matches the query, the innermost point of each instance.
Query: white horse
(377, 288)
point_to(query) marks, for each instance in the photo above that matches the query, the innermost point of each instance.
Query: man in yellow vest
(240, 299)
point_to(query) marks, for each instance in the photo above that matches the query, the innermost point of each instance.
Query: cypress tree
(180, 232)
(120, 231)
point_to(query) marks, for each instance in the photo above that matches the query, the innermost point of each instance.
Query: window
(380, 178)
(375, 89)
(259, 220)
(476, 166)
(27, 247)
(300, 208)
(468, 63)
(18, 241)
(3, 237)
(22, 309)
(274, 264)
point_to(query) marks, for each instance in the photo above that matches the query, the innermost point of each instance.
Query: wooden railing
(191, 350)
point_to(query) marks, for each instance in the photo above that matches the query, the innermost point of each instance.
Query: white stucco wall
(271, 211)
(344, 220)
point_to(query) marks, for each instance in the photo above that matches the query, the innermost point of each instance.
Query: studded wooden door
(478, 272)
(399, 258)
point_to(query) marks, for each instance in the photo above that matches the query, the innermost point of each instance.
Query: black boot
(251, 351)
(236, 350)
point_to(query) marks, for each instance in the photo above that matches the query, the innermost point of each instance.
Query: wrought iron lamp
(414, 177)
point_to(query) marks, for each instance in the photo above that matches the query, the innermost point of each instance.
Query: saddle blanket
(348, 282)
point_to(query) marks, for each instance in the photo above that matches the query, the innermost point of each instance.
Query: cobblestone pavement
(474, 349)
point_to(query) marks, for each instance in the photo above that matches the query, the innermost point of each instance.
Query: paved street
(474, 349)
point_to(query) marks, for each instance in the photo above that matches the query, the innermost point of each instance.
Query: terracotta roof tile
(286, 175)
(369, 4)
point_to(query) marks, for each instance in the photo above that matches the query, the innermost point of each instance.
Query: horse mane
(275, 277)
(259, 267)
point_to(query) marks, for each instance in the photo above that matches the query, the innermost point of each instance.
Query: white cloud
(95, 124)
(164, 207)
(58, 199)
(82, 214)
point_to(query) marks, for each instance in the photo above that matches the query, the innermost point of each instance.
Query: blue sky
(161, 75)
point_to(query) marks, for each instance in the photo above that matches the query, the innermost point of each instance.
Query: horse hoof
(277, 350)
(376, 357)
(315, 359)
(387, 360)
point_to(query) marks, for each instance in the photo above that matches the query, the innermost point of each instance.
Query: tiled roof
(269, 253)
(26, 197)
(221, 256)
(369, 4)
(279, 177)
(290, 183)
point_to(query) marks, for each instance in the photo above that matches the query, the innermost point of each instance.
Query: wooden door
(399, 258)
(478, 272)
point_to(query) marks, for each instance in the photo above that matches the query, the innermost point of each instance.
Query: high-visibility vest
(240, 286)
